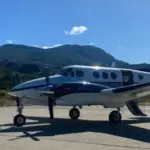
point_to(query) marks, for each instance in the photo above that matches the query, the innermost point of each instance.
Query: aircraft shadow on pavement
(60, 126)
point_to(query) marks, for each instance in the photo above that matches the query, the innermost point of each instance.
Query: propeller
(15, 81)
(50, 94)
(46, 72)
(50, 106)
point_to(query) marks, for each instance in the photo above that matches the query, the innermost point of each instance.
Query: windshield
(65, 71)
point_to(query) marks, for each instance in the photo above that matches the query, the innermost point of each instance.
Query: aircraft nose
(16, 88)
(14, 91)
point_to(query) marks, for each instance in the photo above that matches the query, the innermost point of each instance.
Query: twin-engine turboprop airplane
(78, 85)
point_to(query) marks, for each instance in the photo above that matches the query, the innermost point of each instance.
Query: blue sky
(120, 27)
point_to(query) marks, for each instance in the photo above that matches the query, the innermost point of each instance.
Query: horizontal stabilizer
(134, 108)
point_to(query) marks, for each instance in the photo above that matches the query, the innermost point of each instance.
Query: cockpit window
(72, 74)
(66, 71)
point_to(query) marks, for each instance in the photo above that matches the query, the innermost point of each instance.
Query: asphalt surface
(91, 131)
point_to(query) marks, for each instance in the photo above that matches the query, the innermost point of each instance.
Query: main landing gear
(74, 113)
(19, 120)
(115, 117)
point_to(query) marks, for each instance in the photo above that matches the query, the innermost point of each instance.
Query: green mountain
(27, 58)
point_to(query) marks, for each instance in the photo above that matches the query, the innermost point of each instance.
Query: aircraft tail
(134, 108)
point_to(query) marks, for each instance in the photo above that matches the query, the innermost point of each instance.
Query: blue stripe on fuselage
(109, 84)
(72, 88)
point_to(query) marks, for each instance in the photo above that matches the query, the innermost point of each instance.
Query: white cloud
(36, 45)
(52, 46)
(76, 30)
(46, 47)
(91, 43)
(9, 41)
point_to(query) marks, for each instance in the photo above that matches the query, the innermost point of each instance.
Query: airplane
(80, 85)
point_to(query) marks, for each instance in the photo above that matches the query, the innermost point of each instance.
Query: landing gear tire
(19, 120)
(115, 117)
(74, 113)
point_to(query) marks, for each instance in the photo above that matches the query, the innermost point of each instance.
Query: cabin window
(113, 75)
(140, 77)
(105, 75)
(79, 73)
(96, 74)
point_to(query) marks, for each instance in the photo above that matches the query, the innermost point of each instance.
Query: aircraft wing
(131, 95)
(133, 91)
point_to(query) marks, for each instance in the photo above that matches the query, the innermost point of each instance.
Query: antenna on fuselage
(113, 64)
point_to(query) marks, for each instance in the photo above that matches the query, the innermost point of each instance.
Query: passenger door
(127, 77)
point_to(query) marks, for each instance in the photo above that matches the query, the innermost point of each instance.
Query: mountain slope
(31, 59)
(58, 56)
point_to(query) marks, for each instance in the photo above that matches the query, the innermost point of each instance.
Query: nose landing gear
(19, 120)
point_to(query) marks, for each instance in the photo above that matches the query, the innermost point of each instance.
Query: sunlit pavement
(91, 131)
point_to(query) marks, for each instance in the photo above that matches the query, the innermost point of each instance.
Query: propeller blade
(46, 74)
(15, 78)
(50, 105)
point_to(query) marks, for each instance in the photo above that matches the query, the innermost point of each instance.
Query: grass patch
(5, 99)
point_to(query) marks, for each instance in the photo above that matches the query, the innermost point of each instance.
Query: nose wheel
(74, 113)
(19, 120)
(115, 117)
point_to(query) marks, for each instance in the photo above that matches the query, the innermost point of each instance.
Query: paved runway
(91, 131)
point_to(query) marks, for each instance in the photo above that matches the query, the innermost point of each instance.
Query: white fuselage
(112, 77)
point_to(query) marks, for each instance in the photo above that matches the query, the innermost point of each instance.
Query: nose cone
(36, 83)
(15, 90)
